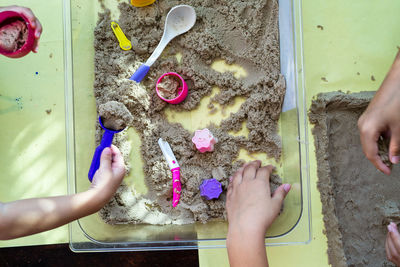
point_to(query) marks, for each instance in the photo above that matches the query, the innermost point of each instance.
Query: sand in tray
(228, 30)
(358, 201)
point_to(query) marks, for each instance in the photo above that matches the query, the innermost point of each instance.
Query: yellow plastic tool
(124, 42)
(141, 3)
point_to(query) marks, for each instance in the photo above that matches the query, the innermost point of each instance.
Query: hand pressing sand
(168, 87)
(115, 116)
(13, 35)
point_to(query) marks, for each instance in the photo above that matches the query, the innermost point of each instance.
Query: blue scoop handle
(106, 141)
(140, 73)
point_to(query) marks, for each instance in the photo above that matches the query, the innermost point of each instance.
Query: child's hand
(382, 118)
(251, 210)
(110, 173)
(35, 23)
(30, 216)
(392, 244)
(249, 203)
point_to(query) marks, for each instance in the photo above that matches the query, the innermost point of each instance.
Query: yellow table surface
(359, 40)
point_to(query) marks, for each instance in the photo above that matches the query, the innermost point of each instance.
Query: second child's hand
(382, 118)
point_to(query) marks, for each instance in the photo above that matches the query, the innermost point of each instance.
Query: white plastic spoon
(179, 20)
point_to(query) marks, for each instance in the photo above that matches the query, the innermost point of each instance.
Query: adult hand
(382, 118)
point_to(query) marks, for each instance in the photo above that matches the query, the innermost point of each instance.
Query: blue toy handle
(106, 141)
(140, 73)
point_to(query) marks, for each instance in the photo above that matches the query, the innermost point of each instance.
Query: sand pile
(115, 116)
(228, 30)
(358, 201)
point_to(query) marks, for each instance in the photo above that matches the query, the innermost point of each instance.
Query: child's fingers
(39, 29)
(395, 235)
(35, 48)
(264, 173)
(249, 172)
(105, 159)
(391, 251)
(115, 150)
(38, 33)
(279, 195)
(394, 146)
(238, 176)
(388, 253)
(369, 144)
(230, 186)
(27, 12)
(118, 164)
(117, 159)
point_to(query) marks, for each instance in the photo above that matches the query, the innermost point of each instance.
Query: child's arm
(30, 216)
(251, 210)
(35, 23)
(382, 118)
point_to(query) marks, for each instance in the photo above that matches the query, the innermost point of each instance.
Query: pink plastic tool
(175, 169)
(10, 16)
(204, 140)
(182, 90)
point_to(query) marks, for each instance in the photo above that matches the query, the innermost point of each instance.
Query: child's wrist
(248, 227)
(240, 233)
(97, 197)
(243, 241)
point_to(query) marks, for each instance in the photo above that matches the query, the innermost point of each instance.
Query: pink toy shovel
(174, 167)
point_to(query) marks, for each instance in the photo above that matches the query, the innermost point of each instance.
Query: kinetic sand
(357, 200)
(13, 35)
(240, 32)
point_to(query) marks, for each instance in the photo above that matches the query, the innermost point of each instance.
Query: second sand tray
(357, 200)
(293, 225)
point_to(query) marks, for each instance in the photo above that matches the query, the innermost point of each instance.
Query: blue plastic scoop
(106, 141)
